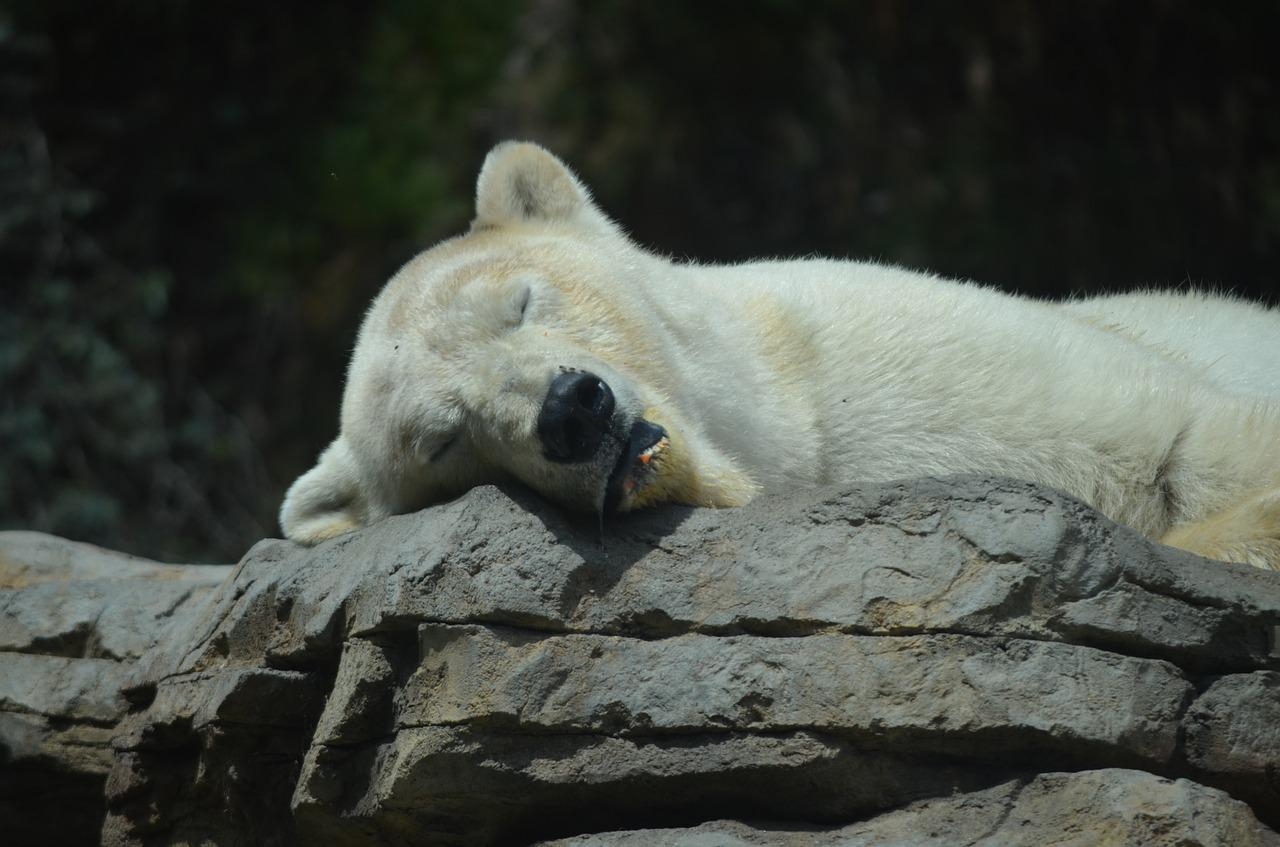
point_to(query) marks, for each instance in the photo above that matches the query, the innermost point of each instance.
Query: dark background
(197, 200)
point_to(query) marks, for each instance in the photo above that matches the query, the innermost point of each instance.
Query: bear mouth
(636, 467)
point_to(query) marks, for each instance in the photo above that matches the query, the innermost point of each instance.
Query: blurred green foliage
(198, 200)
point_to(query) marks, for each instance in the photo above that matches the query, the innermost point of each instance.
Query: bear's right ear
(326, 500)
(521, 182)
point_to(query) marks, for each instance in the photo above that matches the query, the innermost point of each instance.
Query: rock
(1114, 807)
(933, 693)
(930, 662)
(73, 618)
(64, 598)
(981, 655)
(1233, 730)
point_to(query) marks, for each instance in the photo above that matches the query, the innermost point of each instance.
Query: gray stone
(492, 671)
(1113, 807)
(459, 786)
(72, 619)
(64, 598)
(933, 693)
(1233, 730)
(928, 662)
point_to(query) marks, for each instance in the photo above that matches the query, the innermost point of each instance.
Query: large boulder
(73, 619)
(931, 662)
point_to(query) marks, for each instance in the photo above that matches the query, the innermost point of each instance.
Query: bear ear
(326, 500)
(521, 182)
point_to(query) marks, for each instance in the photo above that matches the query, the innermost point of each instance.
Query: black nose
(575, 416)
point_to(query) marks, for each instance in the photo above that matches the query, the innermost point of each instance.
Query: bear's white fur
(1161, 410)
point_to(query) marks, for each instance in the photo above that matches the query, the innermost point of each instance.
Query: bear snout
(575, 416)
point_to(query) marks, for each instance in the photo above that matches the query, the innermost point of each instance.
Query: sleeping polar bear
(544, 345)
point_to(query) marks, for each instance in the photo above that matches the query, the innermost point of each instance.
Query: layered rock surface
(1082, 809)
(932, 662)
(73, 619)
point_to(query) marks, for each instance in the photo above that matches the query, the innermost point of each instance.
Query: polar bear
(546, 346)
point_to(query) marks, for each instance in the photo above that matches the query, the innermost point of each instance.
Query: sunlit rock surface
(930, 662)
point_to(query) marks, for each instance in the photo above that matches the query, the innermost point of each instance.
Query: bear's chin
(639, 466)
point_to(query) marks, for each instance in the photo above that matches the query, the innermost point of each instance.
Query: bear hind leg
(1248, 532)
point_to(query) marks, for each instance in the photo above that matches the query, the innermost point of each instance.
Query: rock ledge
(929, 662)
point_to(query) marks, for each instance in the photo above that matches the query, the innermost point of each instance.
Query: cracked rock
(73, 619)
(928, 662)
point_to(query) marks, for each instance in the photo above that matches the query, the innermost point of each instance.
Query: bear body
(546, 346)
